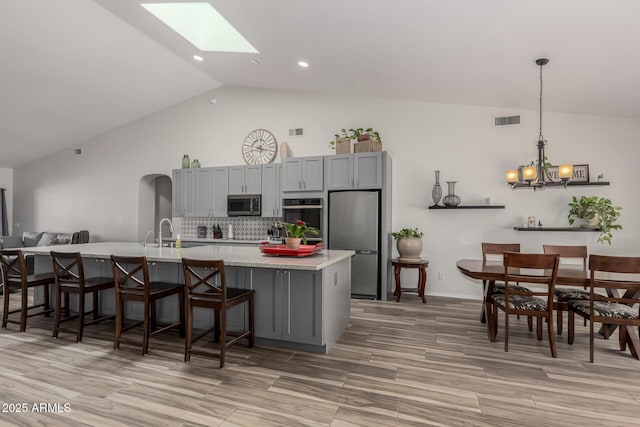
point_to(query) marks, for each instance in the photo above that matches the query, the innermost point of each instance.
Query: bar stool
(69, 276)
(16, 276)
(206, 287)
(131, 276)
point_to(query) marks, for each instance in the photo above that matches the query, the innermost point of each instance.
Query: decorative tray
(282, 250)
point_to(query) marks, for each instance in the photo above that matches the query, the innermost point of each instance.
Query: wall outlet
(440, 276)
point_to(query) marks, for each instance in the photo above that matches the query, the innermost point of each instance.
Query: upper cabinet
(271, 190)
(220, 189)
(183, 192)
(203, 192)
(354, 171)
(245, 179)
(303, 174)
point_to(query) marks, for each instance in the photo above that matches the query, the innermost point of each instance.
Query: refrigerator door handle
(366, 252)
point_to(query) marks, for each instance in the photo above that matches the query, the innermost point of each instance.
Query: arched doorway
(154, 203)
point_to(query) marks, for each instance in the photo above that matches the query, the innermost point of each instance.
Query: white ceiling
(72, 69)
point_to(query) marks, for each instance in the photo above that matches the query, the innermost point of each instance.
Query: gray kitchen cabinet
(354, 171)
(220, 187)
(245, 179)
(183, 192)
(203, 192)
(303, 174)
(271, 190)
(282, 310)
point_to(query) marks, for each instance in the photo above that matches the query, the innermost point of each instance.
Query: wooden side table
(421, 265)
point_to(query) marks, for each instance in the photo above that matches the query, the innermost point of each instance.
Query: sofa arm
(7, 242)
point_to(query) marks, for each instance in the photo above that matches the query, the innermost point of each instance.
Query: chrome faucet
(160, 230)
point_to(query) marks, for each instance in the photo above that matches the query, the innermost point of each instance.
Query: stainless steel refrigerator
(354, 223)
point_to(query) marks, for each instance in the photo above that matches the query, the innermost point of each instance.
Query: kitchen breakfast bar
(300, 302)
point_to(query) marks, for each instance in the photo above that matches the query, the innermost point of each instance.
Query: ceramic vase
(436, 192)
(293, 242)
(451, 199)
(409, 248)
(185, 161)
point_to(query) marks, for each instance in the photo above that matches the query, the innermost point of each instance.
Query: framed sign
(580, 173)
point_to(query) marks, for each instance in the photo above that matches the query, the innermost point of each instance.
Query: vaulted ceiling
(72, 69)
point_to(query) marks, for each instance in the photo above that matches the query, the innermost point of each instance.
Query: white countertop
(232, 255)
(222, 241)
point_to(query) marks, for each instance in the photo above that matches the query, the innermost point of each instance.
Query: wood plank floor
(398, 364)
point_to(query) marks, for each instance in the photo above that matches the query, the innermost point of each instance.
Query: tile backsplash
(250, 228)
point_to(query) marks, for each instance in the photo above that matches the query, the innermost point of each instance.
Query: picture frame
(580, 173)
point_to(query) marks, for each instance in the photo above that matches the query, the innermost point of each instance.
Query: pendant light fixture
(536, 175)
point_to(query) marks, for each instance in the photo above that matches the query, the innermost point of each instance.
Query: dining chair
(131, 277)
(620, 278)
(15, 276)
(68, 271)
(492, 287)
(536, 302)
(565, 294)
(206, 287)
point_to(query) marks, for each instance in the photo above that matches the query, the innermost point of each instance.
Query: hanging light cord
(540, 137)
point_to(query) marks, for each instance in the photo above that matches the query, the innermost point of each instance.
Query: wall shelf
(555, 229)
(569, 184)
(468, 207)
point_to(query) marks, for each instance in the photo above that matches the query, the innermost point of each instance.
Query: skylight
(201, 25)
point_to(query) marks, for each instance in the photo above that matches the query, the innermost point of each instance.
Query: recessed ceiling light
(198, 58)
(303, 64)
(201, 25)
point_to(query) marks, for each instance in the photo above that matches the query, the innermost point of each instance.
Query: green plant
(354, 134)
(299, 229)
(596, 208)
(407, 233)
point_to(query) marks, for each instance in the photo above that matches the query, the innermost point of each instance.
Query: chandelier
(537, 174)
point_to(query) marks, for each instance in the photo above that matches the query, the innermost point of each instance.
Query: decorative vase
(293, 242)
(285, 151)
(195, 163)
(185, 161)
(343, 145)
(451, 199)
(591, 223)
(409, 248)
(436, 192)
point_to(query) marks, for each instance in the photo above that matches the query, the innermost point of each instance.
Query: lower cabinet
(288, 305)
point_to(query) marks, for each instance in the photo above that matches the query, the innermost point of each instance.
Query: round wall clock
(259, 147)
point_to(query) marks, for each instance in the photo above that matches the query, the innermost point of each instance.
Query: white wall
(98, 190)
(6, 181)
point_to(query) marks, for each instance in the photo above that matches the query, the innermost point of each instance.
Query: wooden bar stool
(68, 271)
(206, 287)
(131, 276)
(16, 276)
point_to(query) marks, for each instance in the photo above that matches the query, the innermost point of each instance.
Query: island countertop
(231, 255)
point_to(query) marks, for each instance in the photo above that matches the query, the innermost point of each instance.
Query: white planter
(409, 248)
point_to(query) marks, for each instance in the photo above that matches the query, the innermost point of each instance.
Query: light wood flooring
(398, 364)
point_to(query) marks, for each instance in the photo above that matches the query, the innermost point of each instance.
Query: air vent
(506, 120)
(295, 132)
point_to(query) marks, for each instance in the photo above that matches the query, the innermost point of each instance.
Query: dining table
(568, 275)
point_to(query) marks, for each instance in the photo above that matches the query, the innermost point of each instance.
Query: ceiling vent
(295, 132)
(506, 120)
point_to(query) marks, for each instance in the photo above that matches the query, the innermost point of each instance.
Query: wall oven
(308, 210)
(244, 205)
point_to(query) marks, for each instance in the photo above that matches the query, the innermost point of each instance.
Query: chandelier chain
(540, 137)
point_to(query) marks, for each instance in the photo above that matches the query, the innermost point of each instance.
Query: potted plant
(597, 212)
(296, 232)
(367, 140)
(409, 243)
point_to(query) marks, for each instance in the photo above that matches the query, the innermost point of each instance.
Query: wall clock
(259, 147)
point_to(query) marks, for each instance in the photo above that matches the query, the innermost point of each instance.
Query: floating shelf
(569, 184)
(468, 207)
(555, 229)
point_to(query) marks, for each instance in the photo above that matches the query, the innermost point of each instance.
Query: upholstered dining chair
(68, 271)
(15, 276)
(536, 302)
(206, 287)
(620, 278)
(498, 249)
(565, 294)
(131, 277)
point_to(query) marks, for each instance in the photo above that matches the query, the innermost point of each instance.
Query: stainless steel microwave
(244, 205)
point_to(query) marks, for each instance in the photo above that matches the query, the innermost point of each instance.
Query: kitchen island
(299, 302)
